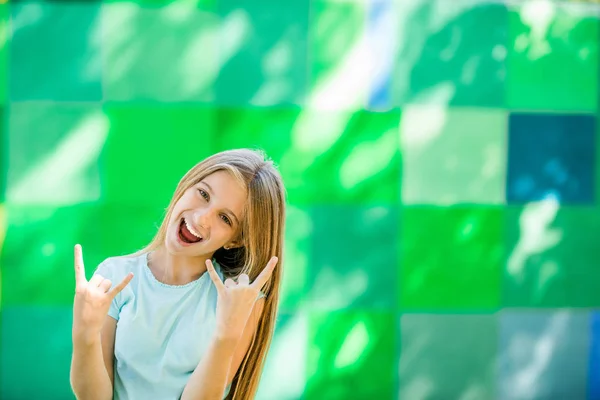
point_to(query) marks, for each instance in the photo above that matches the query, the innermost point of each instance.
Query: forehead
(227, 190)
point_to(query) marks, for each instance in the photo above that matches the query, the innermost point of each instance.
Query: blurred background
(440, 156)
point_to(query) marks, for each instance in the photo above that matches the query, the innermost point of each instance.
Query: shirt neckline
(166, 285)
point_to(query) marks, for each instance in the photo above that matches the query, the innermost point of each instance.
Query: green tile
(324, 157)
(448, 356)
(150, 148)
(351, 356)
(37, 256)
(344, 158)
(451, 257)
(457, 156)
(451, 54)
(552, 256)
(38, 248)
(165, 54)
(263, 52)
(552, 57)
(336, 77)
(54, 151)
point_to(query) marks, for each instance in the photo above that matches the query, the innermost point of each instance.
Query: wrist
(85, 338)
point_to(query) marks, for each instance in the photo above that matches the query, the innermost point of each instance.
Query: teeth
(192, 230)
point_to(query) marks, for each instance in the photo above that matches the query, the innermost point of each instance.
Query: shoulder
(116, 267)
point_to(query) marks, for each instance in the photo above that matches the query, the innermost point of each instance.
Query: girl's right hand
(92, 300)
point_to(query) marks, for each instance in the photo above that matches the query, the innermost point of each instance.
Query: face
(207, 216)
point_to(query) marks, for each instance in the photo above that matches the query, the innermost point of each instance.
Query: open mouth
(187, 234)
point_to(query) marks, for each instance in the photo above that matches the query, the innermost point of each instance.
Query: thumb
(214, 276)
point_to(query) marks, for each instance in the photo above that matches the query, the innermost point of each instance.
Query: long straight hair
(261, 235)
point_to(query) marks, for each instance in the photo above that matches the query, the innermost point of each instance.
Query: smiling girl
(191, 315)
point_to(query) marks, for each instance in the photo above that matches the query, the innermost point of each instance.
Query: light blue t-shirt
(163, 331)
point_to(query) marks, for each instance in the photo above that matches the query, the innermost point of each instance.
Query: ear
(233, 244)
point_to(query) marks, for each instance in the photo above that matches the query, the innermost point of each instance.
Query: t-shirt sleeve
(107, 270)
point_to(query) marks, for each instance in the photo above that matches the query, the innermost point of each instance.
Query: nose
(202, 217)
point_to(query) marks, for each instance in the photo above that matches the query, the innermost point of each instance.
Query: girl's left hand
(236, 300)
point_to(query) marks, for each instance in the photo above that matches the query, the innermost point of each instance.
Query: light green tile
(453, 155)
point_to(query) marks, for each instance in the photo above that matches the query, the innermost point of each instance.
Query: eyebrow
(210, 189)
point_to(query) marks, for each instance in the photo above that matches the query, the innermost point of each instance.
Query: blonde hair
(261, 235)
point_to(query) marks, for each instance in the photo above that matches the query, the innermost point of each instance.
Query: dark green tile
(352, 355)
(448, 356)
(552, 60)
(149, 149)
(552, 258)
(451, 257)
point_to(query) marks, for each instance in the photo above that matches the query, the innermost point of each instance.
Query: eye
(226, 219)
(204, 194)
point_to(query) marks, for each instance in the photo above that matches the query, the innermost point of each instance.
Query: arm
(92, 364)
(221, 362)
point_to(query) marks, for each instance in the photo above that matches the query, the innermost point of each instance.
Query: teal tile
(448, 356)
(451, 54)
(55, 51)
(353, 258)
(53, 153)
(149, 148)
(552, 256)
(36, 352)
(160, 54)
(352, 355)
(263, 55)
(552, 59)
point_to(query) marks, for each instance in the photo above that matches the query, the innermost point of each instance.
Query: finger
(264, 276)
(117, 289)
(243, 279)
(79, 267)
(229, 283)
(214, 276)
(96, 280)
(105, 285)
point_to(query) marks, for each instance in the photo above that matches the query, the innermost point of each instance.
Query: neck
(176, 269)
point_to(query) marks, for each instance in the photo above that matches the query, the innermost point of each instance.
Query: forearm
(89, 378)
(209, 379)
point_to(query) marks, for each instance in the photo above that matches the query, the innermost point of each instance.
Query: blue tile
(551, 156)
(594, 367)
(36, 353)
(543, 354)
(55, 52)
(381, 34)
(353, 258)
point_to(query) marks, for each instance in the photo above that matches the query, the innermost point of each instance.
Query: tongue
(189, 236)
